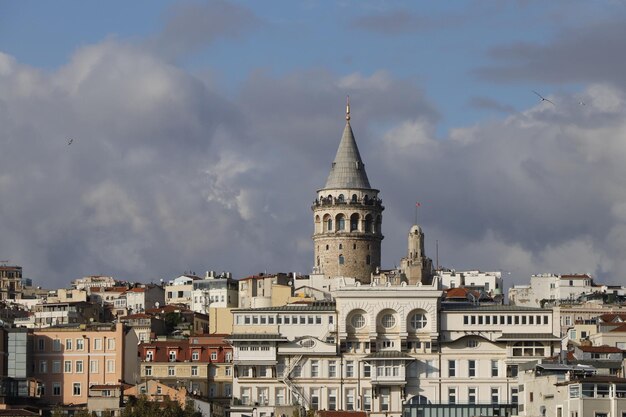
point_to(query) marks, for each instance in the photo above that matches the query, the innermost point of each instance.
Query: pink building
(69, 360)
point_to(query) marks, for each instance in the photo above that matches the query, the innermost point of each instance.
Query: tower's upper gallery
(348, 170)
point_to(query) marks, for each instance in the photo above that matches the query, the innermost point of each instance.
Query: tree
(143, 407)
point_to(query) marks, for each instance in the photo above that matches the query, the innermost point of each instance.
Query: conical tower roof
(348, 170)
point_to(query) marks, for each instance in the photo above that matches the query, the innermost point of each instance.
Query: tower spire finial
(348, 108)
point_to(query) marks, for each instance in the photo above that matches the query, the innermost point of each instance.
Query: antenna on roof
(348, 108)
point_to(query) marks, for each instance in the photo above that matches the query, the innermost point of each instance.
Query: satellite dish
(157, 304)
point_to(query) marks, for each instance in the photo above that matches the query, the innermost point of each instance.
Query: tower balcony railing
(331, 201)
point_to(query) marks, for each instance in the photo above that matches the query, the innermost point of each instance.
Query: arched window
(354, 198)
(418, 320)
(358, 321)
(340, 198)
(379, 222)
(354, 222)
(318, 261)
(340, 246)
(341, 222)
(326, 247)
(388, 321)
(329, 224)
(341, 260)
(369, 223)
(366, 199)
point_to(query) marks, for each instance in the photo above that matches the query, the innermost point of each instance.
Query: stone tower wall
(358, 242)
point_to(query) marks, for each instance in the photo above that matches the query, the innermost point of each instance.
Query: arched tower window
(341, 222)
(354, 198)
(341, 260)
(340, 246)
(379, 221)
(328, 222)
(340, 198)
(369, 224)
(366, 199)
(354, 222)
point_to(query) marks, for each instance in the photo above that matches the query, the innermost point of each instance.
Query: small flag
(417, 204)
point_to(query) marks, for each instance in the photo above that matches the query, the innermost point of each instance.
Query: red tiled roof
(105, 386)
(620, 329)
(576, 276)
(610, 317)
(600, 349)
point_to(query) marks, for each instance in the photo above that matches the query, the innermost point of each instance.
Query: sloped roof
(348, 170)
(600, 349)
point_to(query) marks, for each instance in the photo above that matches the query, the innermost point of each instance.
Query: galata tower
(348, 216)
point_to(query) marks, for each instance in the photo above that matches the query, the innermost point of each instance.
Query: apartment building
(202, 364)
(286, 356)
(67, 360)
(10, 282)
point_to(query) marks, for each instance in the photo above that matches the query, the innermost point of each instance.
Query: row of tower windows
(341, 246)
(342, 260)
(355, 223)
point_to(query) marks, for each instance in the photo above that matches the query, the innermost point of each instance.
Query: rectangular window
(332, 399)
(471, 368)
(56, 367)
(494, 368)
(110, 366)
(367, 399)
(315, 369)
(56, 389)
(172, 356)
(280, 396)
(148, 370)
(332, 369)
(67, 367)
(451, 395)
(76, 391)
(93, 366)
(80, 344)
(495, 395)
(43, 367)
(315, 398)
(110, 344)
(471, 395)
(171, 371)
(56, 345)
(367, 370)
(41, 343)
(310, 319)
(79, 367)
(195, 355)
(213, 356)
(350, 398)
(514, 395)
(349, 369)
(97, 344)
(451, 368)
(68, 344)
(228, 371)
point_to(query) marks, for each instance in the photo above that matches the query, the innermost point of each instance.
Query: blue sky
(203, 128)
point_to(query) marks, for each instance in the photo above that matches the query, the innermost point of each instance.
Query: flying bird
(70, 141)
(543, 98)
